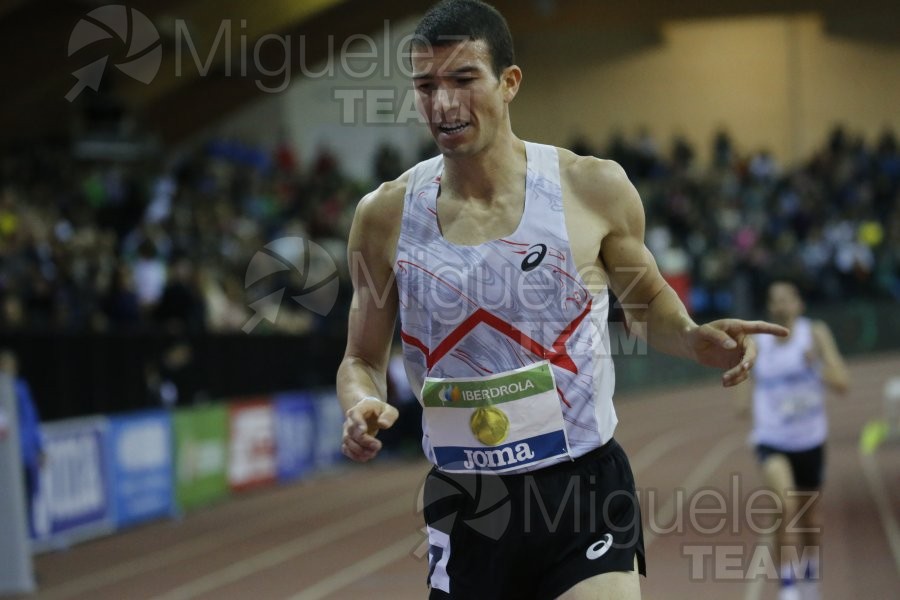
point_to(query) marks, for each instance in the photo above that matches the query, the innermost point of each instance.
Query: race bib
(496, 423)
(799, 404)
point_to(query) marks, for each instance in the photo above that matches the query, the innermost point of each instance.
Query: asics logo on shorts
(598, 549)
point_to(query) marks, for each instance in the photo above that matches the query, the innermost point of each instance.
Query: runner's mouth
(451, 128)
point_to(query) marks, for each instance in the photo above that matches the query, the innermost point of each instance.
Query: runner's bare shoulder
(378, 215)
(599, 186)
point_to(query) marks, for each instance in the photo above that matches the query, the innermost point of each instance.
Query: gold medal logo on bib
(490, 425)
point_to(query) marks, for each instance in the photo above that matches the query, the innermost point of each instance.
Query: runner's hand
(727, 344)
(361, 426)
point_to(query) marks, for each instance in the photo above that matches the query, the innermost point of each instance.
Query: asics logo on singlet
(598, 549)
(534, 257)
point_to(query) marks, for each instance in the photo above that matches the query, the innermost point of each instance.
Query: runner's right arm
(362, 375)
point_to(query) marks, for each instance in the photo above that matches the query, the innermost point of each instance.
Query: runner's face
(460, 97)
(785, 304)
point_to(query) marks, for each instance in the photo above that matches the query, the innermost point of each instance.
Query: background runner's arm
(834, 371)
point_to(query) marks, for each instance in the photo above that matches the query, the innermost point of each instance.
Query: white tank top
(474, 311)
(788, 394)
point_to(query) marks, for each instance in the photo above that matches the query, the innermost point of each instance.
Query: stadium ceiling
(39, 71)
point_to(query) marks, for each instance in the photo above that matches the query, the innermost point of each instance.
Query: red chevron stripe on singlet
(557, 354)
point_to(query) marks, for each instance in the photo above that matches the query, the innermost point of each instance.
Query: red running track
(356, 533)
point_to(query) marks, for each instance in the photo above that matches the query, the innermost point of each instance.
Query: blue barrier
(295, 435)
(103, 474)
(329, 424)
(73, 501)
(141, 467)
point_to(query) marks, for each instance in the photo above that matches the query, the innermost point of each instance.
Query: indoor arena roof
(38, 71)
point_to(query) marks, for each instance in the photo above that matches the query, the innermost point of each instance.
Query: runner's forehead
(781, 290)
(467, 69)
(451, 60)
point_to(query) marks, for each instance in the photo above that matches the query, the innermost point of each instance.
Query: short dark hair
(452, 21)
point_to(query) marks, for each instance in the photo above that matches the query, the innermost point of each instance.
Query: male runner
(789, 429)
(497, 255)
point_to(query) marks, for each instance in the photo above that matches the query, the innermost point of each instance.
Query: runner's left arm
(834, 370)
(653, 308)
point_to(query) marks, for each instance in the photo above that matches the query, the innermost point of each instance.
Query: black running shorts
(532, 535)
(808, 466)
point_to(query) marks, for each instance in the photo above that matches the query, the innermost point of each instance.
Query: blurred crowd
(121, 246)
(102, 246)
(721, 231)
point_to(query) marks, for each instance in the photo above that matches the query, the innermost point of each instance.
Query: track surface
(355, 534)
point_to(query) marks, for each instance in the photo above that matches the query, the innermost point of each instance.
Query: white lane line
(717, 455)
(207, 542)
(360, 569)
(755, 587)
(656, 449)
(276, 555)
(876, 487)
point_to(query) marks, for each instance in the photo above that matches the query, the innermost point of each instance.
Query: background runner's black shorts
(532, 535)
(808, 466)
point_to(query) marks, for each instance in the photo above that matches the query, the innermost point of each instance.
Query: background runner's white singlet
(471, 311)
(788, 394)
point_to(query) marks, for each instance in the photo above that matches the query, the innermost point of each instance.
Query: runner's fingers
(357, 420)
(363, 440)
(737, 374)
(355, 427)
(765, 327)
(749, 351)
(387, 417)
(718, 337)
(356, 456)
(354, 450)
(353, 445)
